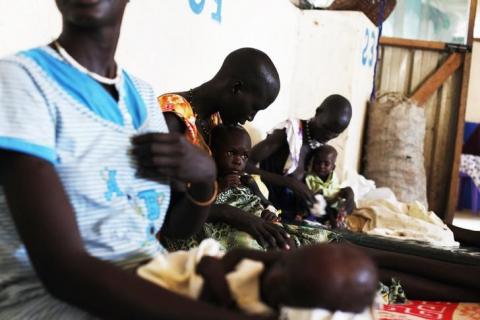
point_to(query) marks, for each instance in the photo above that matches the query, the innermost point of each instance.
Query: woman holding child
(246, 83)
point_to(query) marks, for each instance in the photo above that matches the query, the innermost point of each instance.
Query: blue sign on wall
(198, 6)
(369, 48)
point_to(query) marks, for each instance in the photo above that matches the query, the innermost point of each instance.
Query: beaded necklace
(204, 126)
(312, 143)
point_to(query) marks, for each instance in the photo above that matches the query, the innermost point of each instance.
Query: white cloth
(380, 213)
(318, 209)
(46, 114)
(176, 272)
(360, 185)
(293, 129)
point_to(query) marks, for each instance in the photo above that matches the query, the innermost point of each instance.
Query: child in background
(323, 181)
(262, 282)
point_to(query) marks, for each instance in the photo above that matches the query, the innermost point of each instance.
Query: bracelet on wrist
(206, 202)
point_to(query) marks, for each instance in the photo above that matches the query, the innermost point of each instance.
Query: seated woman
(75, 212)
(285, 153)
(246, 83)
(231, 146)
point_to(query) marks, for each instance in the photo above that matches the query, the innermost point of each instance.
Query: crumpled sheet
(379, 212)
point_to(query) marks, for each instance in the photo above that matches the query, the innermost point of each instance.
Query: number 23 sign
(369, 48)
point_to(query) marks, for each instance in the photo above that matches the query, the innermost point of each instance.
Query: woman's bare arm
(265, 149)
(46, 223)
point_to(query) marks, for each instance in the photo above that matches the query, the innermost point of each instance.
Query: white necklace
(68, 58)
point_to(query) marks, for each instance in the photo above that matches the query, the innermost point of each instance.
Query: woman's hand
(215, 288)
(269, 216)
(267, 234)
(171, 156)
(230, 181)
(348, 195)
(301, 190)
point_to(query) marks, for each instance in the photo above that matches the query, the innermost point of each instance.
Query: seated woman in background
(283, 156)
(74, 210)
(246, 83)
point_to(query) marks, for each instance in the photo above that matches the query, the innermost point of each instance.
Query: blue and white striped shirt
(52, 111)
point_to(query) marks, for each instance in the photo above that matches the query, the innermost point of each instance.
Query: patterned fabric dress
(230, 238)
(183, 109)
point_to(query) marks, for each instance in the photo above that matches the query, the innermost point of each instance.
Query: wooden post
(435, 81)
(454, 180)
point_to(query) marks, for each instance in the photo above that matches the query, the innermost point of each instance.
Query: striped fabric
(50, 110)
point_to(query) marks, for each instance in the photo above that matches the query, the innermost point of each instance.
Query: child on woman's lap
(231, 146)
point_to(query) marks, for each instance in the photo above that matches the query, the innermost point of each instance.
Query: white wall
(473, 101)
(317, 53)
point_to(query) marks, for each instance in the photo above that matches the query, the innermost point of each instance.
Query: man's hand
(171, 156)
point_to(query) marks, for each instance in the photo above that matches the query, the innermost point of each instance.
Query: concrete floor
(466, 219)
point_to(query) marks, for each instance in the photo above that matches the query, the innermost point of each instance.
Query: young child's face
(232, 157)
(324, 164)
